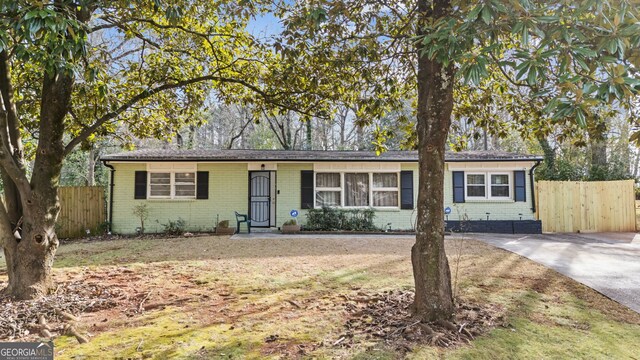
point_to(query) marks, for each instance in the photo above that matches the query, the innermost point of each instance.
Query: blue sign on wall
(447, 210)
(294, 213)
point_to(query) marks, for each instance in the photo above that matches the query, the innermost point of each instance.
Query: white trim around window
(484, 185)
(392, 193)
(328, 189)
(172, 181)
(172, 185)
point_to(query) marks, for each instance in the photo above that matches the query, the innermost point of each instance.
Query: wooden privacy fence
(586, 206)
(82, 208)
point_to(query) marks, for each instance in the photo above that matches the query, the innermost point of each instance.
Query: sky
(265, 25)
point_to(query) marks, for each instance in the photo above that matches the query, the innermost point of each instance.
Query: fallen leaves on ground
(22, 319)
(387, 317)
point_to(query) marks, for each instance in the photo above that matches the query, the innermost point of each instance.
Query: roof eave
(309, 160)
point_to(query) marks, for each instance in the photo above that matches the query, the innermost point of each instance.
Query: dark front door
(260, 198)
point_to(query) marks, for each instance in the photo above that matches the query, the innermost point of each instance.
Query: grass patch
(210, 297)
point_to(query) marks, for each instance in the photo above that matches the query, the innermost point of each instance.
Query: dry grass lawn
(212, 297)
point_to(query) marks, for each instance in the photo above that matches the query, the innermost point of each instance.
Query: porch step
(265, 230)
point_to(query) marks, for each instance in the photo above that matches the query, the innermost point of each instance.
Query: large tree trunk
(433, 297)
(30, 259)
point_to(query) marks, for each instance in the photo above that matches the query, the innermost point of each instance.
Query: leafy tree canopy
(144, 65)
(546, 64)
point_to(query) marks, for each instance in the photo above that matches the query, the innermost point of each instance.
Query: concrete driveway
(606, 262)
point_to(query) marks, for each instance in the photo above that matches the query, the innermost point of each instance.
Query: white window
(357, 189)
(184, 185)
(328, 189)
(490, 185)
(500, 187)
(385, 190)
(160, 185)
(172, 185)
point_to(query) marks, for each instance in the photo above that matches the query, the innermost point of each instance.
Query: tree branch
(274, 130)
(5, 224)
(506, 76)
(6, 89)
(84, 134)
(242, 129)
(8, 127)
(7, 162)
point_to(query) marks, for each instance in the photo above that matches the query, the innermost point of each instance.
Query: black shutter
(306, 186)
(520, 193)
(203, 185)
(458, 186)
(140, 191)
(406, 189)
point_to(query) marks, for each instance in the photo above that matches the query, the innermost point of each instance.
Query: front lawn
(212, 297)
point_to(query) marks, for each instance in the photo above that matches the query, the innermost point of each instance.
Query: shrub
(223, 224)
(331, 219)
(176, 227)
(290, 222)
(104, 227)
(141, 211)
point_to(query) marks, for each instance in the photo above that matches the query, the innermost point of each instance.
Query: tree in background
(575, 54)
(498, 115)
(234, 126)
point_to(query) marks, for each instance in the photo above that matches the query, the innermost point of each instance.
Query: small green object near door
(242, 218)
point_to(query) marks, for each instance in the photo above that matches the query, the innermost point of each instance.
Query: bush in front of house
(141, 212)
(334, 219)
(175, 227)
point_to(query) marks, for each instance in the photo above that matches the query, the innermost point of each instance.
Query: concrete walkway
(606, 262)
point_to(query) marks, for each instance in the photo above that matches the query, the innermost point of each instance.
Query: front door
(260, 198)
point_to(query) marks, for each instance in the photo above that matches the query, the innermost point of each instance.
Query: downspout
(533, 186)
(110, 209)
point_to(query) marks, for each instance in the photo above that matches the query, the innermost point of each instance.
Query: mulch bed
(347, 232)
(54, 314)
(151, 236)
(387, 317)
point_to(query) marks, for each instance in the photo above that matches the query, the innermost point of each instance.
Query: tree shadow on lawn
(535, 298)
(275, 319)
(550, 315)
(538, 302)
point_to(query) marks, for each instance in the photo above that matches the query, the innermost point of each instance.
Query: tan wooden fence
(82, 208)
(581, 206)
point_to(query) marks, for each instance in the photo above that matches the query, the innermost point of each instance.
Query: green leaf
(532, 76)
(31, 14)
(547, 19)
(486, 15)
(473, 14)
(525, 34)
(524, 67)
(584, 51)
(581, 118)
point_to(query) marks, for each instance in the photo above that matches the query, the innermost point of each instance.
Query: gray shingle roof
(306, 155)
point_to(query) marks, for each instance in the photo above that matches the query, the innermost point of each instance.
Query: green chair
(242, 218)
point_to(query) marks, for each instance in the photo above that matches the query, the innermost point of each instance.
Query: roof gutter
(308, 160)
(533, 186)
(111, 185)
